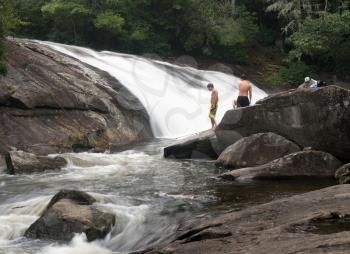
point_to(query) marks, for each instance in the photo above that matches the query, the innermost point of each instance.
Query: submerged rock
(319, 119)
(69, 213)
(255, 150)
(200, 146)
(51, 103)
(270, 228)
(300, 164)
(343, 174)
(19, 162)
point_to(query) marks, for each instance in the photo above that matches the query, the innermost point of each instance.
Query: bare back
(245, 88)
(214, 97)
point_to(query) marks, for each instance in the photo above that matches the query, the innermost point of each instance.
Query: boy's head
(210, 87)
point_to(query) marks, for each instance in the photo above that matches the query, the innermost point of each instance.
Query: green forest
(301, 36)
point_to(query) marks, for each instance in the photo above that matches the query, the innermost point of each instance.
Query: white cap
(307, 79)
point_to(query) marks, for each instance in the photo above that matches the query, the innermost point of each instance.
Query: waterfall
(175, 97)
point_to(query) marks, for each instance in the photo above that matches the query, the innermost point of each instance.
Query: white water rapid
(175, 97)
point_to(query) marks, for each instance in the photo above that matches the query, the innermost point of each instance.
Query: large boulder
(300, 164)
(255, 150)
(51, 103)
(317, 118)
(200, 146)
(19, 162)
(343, 174)
(69, 213)
(312, 223)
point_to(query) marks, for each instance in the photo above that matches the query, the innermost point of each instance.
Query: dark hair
(210, 85)
(244, 77)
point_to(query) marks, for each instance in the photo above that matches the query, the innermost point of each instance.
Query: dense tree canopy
(314, 33)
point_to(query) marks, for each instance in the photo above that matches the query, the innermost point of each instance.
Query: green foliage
(110, 21)
(3, 68)
(325, 39)
(318, 30)
(291, 75)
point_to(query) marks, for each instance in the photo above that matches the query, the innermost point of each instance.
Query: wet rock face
(51, 103)
(255, 150)
(69, 213)
(343, 174)
(319, 119)
(201, 146)
(19, 162)
(300, 164)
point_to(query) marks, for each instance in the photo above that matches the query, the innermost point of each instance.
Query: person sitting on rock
(245, 91)
(214, 104)
(309, 84)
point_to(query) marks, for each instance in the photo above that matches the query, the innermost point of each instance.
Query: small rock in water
(19, 162)
(70, 213)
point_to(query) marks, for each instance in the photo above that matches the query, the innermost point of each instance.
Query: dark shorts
(243, 101)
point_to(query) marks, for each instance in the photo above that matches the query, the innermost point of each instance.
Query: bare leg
(213, 124)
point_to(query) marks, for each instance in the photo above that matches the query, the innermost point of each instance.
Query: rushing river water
(151, 197)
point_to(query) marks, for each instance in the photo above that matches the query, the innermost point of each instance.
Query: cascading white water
(175, 97)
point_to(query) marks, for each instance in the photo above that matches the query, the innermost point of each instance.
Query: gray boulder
(69, 213)
(300, 164)
(255, 150)
(343, 174)
(57, 104)
(19, 162)
(319, 119)
(200, 146)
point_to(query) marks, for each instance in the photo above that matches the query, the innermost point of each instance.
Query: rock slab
(51, 103)
(269, 228)
(69, 213)
(300, 164)
(256, 150)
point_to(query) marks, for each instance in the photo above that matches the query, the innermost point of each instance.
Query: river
(150, 196)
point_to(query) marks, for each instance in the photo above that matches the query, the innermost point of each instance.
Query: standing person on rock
(245, 93)
(214, 105)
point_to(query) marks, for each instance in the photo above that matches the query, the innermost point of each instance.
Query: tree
(325, 40)
(8, 22)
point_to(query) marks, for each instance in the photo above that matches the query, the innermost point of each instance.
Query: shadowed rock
(255, 150)
(200, 146)
(319, 119)
(69, 213)
(300, 164)
(343, 174)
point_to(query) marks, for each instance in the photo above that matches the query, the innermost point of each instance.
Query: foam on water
(175, 97)
(79, 245)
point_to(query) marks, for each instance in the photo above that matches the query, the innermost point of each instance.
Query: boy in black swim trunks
(245, 92)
